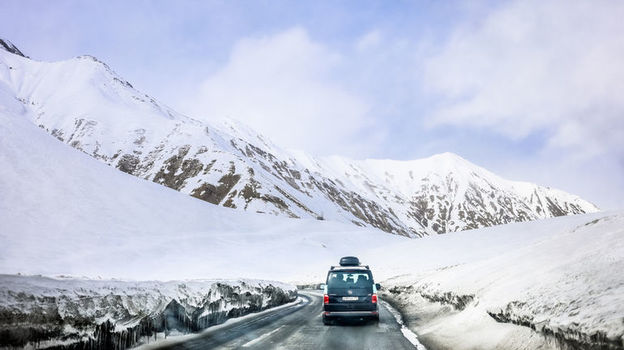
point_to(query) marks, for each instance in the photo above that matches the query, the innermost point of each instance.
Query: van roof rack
(359, 267)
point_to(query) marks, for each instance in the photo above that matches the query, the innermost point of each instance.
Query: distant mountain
(85, 104)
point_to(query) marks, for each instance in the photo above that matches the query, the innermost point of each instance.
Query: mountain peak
(10, 47)
(448, 160)
(448, 156)
(232, 165)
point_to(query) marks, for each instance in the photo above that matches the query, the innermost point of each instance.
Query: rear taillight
(374, 298)
(325, 299)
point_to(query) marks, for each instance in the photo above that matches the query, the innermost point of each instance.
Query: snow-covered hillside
(83, 103)
(63, 212)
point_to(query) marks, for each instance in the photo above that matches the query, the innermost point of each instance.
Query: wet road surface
(301, 327)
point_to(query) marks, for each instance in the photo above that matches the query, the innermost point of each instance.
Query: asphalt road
(301, 327)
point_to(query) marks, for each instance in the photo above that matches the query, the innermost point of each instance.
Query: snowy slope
(63, 212)
(83, 103)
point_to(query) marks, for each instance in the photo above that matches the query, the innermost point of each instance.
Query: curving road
(300, 327)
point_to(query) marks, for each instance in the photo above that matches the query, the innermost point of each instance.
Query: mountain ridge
(85, 104)
(10, 47)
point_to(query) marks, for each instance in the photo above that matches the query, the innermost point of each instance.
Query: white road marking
(407, 333)
(262, 337)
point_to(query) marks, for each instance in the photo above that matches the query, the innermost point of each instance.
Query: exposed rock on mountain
(8, 46)
(86, 105)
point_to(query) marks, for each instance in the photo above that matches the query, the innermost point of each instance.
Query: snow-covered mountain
(85, 104)
(64, 212)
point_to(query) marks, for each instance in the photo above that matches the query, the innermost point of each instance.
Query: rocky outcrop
(8, 46)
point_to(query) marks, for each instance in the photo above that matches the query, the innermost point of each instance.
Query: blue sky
(530, 90)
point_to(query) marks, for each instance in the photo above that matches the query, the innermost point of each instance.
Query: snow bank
(568, 286)
(112, 314)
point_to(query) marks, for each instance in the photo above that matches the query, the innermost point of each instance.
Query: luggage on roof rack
(349, 261)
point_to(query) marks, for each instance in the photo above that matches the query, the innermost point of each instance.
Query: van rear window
(349, 279)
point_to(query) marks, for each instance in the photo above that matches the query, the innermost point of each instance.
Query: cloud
(368, 41)
(284, 85)
(535, 66)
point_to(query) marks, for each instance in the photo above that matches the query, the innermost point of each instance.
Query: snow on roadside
(407, 333)
(115, 314)
(177, 339)
(568, 286)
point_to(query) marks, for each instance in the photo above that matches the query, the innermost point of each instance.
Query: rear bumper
(349, 314)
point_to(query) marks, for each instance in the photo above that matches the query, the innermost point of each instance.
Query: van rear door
(350, 290)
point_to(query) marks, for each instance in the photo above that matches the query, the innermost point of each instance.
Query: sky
(531, 90)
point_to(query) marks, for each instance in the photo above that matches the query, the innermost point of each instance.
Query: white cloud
(368, 41)
(284, 86)
(537, 65)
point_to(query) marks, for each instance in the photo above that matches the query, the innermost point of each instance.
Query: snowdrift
(110, 314)
(568, 286)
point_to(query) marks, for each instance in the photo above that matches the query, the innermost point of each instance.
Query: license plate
(349, 298)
